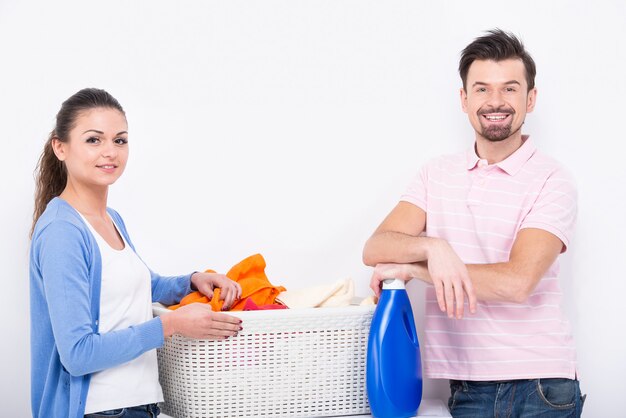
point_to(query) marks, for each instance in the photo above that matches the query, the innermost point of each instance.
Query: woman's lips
(108, 168)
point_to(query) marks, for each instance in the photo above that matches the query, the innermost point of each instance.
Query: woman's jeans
(546, 398)
(143, 411)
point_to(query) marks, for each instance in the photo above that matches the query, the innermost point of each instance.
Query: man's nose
(496, 99)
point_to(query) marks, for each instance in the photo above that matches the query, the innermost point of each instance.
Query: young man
(485, 228)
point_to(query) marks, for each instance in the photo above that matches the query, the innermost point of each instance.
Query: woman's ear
(59, 148)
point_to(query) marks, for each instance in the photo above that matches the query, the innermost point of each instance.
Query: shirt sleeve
(555, 209)
(415, 193)
(64, 258)
(170, 290)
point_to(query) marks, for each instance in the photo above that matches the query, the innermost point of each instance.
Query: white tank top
(125, 300)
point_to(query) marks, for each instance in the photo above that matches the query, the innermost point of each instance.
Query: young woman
(92, 331)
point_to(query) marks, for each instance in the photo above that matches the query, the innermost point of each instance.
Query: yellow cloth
(250, 274)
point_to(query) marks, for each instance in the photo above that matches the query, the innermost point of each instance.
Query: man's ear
(531, 100)
(463, 94)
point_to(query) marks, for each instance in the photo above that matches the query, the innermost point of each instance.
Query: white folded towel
(337, 294)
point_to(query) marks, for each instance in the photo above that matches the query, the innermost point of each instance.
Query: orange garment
(250, 274)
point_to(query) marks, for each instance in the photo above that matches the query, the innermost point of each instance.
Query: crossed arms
(397, 250)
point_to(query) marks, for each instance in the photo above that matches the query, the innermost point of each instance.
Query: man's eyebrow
(481, 83)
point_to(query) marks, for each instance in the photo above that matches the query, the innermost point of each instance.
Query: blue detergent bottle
(394, 369)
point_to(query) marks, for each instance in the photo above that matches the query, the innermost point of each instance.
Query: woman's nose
(109, 149)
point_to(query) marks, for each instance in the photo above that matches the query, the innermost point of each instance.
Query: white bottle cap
(393, 284)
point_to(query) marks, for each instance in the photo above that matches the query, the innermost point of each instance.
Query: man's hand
(445, 271)
(399, 240)
(450, 277)
(384, 271)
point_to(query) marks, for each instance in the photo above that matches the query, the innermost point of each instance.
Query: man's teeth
(495, 118)
(107, 166)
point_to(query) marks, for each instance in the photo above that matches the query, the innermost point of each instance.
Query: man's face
(497, 98)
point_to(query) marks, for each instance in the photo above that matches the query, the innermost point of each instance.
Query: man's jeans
(546, 398)
(143, 411)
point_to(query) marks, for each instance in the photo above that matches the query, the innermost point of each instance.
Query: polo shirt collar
(513, 163)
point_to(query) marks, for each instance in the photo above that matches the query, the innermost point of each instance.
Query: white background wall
(290, 128)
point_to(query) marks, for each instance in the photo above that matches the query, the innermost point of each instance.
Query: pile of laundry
(257, 293)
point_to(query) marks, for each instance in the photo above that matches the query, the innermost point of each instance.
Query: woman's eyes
(95, 140)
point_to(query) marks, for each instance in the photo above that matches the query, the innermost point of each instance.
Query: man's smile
(496, 117)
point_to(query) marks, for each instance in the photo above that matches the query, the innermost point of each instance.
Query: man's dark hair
(497, 45)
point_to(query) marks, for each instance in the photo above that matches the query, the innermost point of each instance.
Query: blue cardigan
(65, 279)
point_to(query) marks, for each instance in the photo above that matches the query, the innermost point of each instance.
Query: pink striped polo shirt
(479, 208)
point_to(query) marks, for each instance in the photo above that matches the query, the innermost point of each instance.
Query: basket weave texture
(285, 363)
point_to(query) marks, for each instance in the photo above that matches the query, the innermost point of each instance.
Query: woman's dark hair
(497, 45)
(51, 175)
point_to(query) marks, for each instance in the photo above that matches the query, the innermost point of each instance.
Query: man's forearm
(492, 282)
(533, 252)
(504, 282)
(395, 247)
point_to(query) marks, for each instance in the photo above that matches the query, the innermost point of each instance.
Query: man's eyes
(506, 90)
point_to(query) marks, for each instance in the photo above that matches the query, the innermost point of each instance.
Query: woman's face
(97, 150)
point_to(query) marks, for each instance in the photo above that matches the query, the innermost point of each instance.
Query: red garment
(251, 306)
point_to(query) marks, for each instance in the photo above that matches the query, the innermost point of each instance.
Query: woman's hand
(197, 320)
(207, 282)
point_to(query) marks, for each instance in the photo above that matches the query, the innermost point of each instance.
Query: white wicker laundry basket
(285, 363)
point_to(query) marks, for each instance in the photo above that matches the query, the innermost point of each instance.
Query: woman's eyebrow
(102, 133)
